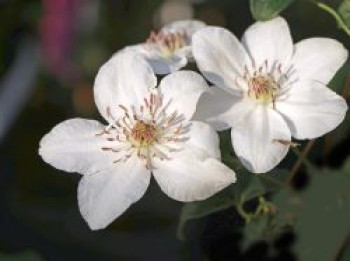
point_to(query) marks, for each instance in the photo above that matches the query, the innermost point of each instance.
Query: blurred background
(50, 52)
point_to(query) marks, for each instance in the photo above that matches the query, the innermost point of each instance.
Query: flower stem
(263, 208)
(301, 158)
(247, 216)
(336, 16)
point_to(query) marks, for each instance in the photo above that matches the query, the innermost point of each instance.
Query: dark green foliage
(263, 10)
(344, 11)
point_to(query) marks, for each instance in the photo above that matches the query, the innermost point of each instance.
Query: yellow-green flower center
(262, 88)
(143, 134)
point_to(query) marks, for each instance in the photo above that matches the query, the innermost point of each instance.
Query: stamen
(265, 83)
(286, 142)
(167, 43)
(141, 133)
(104, 131)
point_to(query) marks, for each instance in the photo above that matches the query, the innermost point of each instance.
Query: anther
(286, 142)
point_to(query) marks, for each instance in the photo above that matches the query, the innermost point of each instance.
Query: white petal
(311, 109)
(216, 107)
(185, 51)
(220, 56)
(203, 136)
(105, 195)
(259, 141)
(318, 59)
(269, 41)
(182, 89)
(137, 48)
(192, 174)
(73, 146)
(162, 65)
(187, 26)
(125, 79)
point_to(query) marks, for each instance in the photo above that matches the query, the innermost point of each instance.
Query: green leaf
(268, 226)
(344, 11)
(255, 231)
(248, 187)
(338, 83)
(263, 10)
(263, 228)
(261, 184)
(341, 19)
(320, 213)
(199, 209)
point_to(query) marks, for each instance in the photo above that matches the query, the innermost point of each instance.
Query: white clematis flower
(169, 49)
(150, 130)
(269, 89)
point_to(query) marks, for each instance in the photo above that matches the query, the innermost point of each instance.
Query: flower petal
(105, 195)
(203, 136)
(185, 51)
(162, 65)
(186, 26)
(220, 56)
(216, 107)
(73, 146)
(311, 109)
(269, 41)
(318, 59)
(182, 89)
(125, 79)
(192, 174)
(261, 141)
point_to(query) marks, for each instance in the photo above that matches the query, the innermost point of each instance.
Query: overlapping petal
(104, 196)
(204, 137)
(181, 91)
(261, 141)
(193, 173)
(220, 56)
(216, 107)
(74, 146)
(163, 66)
(170, 49)
(125, 79)
(311, 109)
(189, 27)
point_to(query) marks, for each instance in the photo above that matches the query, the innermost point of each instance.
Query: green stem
(302, 155)
(337, 17)
(302, 158)
(261, 209)
(247, 216)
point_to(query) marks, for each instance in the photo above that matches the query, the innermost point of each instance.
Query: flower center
(167, 44)
(143, 134)
(262, 88)
(148, 131)
(267, 82)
